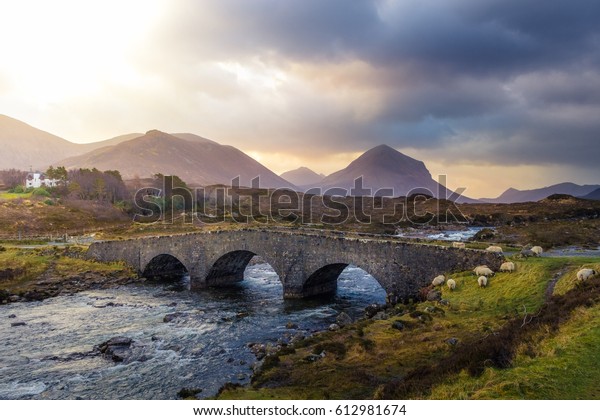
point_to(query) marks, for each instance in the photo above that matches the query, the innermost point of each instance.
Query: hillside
(594, 195)
(199, 161)
(81, 148)
(513, 195)
(24, 146)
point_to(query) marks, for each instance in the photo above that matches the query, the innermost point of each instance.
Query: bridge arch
(164, 267)
(324, 280)
(229, 268)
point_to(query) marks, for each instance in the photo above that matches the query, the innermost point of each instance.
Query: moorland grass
(419, 360)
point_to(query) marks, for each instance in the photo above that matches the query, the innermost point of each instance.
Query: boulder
(453, 341)
(117, 348)
(171, 317)
(343, 319)
(372, 309)
(380, 316)
(398, 325)
(434, 295)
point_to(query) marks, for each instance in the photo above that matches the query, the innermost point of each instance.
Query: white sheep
(451, 284)
(537, 250)
(483, 270)
(460, 245)
(586, 274)
(507, 267)
(439, 280)
(493, 248)
(482, 281)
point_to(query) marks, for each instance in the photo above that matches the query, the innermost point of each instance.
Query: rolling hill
(193, 158)
(24, 146)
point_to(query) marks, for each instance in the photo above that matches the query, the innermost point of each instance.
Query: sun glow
(65, 48)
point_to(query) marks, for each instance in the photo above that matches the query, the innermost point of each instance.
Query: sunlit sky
(493, 93)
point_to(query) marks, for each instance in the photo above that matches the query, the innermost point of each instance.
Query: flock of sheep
(483, 272)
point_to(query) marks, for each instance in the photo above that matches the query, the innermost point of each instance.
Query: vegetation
(48, 271)
(92, 184)
(509, 340)
(12, 178)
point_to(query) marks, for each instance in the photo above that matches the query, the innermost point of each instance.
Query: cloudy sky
(493, 93)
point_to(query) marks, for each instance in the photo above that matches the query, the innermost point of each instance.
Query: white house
(39, 179)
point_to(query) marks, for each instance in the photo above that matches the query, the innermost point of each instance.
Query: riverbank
(531, 334)
(41, 273)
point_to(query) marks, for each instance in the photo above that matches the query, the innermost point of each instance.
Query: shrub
(41, 192)
(49, 202)
(19, 189)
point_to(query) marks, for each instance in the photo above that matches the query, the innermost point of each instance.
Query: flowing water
(206, 345)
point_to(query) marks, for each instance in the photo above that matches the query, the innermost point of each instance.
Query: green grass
(31, 264)
(13, 196)
(565, 366)
(569, 280)
(364, 372)
(506, 293)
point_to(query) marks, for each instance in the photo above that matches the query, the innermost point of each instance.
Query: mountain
(82, 148)
(512, 195)
(195, 159)
(594, 195)
(24, 146)
(302, 176)
(385, 167)
(194, 138)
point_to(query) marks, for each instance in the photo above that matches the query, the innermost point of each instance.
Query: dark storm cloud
(519, 79)
(492, 35)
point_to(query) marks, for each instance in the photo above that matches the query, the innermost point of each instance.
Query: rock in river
(117, 348)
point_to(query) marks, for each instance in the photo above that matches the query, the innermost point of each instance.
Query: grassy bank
(49, 271)
(472, 347)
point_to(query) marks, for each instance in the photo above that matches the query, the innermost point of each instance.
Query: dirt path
(550, 288)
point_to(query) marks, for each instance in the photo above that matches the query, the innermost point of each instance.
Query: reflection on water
(205, 346)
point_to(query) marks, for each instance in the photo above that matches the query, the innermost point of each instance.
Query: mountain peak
(155, 132)
(384, 167)
(302, 176)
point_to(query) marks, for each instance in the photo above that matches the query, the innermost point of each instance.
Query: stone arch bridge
(308, 264)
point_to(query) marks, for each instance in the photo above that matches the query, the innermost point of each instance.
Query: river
(206, 345)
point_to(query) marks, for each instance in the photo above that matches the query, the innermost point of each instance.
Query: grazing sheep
(507, 266)
(482, 281)
(451, 284)
(526, 253)
(460, 245)
(439, 280)
(537, 250)
(493, 248)
(586, 274)
(483, 270)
